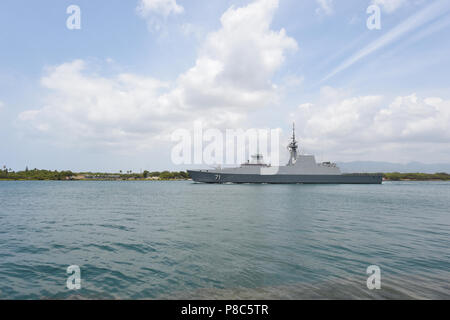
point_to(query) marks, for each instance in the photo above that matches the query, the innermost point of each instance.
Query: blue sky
(106, 97)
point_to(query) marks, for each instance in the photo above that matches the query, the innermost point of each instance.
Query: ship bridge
(257, 160)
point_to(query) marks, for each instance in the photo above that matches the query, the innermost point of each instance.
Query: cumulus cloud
(159, 7)
(231, 76)
(373, 127)
(325, 7)
(82, 107)
(236, 63)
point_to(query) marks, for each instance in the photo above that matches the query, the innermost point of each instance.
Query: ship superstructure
(299, 169)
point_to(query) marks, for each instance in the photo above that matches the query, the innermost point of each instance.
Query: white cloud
(156, 13)
(372, 127)
(160, 7)
(325, 7)
(389, 6)
(231, 76)
(1, 105)
(236, 63)
(88, 109)
(412, 119)
(305, 106)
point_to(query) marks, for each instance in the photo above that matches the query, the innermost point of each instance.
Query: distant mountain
(374, 166)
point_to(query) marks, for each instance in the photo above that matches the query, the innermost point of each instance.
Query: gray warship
(301, 169)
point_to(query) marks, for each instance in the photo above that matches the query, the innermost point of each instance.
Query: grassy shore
(396, 176)
(36, 174)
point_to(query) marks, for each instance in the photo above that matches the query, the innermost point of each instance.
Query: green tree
(166, 175)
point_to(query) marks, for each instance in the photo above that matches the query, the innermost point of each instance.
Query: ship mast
(292, 147)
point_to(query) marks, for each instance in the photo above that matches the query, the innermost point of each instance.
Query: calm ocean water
(164, 240)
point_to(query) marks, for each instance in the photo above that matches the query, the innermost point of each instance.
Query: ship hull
(214, 177)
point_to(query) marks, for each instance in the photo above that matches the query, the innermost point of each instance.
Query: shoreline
(48, 175)
(175, 180)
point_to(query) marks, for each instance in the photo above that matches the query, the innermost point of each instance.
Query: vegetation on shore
(396, 176)
(35, 174)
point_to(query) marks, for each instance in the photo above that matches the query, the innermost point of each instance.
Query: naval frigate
(300, 169)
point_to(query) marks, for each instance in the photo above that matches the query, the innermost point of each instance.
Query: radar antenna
(292, 147)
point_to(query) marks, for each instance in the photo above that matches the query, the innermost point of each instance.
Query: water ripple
(167, 240)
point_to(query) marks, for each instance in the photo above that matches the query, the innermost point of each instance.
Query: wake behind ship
(299, 169)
